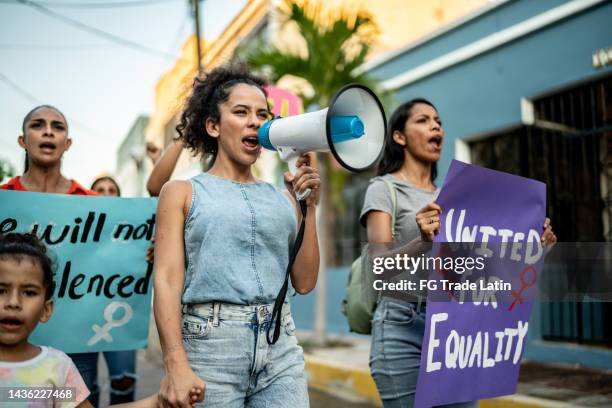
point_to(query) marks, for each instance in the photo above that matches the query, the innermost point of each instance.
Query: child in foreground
(26, 288)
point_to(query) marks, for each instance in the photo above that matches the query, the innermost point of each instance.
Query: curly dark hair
(208, 93)
(393, 155)
(18, 246)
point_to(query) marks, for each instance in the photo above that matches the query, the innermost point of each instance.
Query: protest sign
(473, 346)
(103, 282)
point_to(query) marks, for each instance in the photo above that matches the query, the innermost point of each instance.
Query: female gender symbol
(524, 285)
(104, 331)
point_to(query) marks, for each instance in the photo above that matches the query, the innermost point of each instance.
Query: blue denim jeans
(121, 364)
(395, 356)
(226, 347)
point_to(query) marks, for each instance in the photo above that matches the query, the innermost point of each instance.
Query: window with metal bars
(568, 147)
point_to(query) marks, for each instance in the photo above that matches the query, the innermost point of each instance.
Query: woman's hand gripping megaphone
(303, 179)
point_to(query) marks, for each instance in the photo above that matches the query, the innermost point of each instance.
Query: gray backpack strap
(393, 193)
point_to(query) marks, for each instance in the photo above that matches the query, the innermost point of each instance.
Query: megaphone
(352, 128)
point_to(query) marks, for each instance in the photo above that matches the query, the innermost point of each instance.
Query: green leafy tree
(333, 51)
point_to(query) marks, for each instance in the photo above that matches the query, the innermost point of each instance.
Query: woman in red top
(45, 139)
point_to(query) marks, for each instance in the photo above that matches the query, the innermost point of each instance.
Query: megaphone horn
(352, 128)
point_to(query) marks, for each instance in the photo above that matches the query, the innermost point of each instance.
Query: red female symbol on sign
(525, 283)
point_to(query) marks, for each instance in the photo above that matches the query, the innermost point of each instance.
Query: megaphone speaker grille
(361, 153)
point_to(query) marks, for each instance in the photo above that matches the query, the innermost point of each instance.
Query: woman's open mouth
(251, 143)
(47, 147)
(435, 142)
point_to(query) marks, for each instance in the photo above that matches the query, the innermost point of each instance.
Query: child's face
(22, 300)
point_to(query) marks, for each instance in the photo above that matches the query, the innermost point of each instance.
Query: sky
(100, 86)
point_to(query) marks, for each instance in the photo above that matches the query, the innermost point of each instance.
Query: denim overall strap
(280, 299)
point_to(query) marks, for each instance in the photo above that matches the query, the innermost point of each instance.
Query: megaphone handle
(291, 162)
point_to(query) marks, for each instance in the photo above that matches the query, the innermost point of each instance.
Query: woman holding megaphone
(222, 247)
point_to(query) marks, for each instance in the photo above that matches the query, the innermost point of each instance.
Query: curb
(350, 383)
(355, 384)
(523, 401)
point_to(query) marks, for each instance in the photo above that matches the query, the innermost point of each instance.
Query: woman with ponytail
(413, 145)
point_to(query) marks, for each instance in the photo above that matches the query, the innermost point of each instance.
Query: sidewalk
(344, 371)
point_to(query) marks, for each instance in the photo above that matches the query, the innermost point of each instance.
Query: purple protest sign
(472, 349)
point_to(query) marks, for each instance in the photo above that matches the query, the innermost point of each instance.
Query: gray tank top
(237, 241)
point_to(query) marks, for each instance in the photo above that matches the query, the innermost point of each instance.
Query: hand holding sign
(548, 237)
(428, 220)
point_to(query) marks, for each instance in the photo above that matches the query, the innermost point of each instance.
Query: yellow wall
(404, 21)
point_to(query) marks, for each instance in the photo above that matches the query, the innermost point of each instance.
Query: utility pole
(196, 20)
(320, 312)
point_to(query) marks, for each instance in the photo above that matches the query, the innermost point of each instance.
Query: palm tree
(334, 51)
(337, 43)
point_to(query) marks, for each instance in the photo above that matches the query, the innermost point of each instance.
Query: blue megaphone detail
(343, 128)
